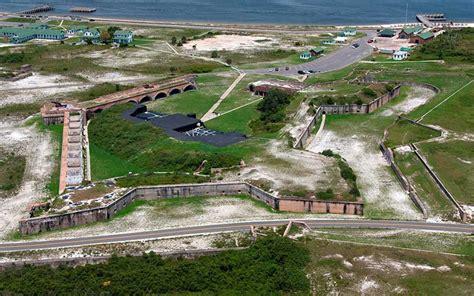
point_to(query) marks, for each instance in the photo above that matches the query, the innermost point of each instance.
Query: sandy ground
(281, 166)
(116, 58)
(214, 211)
(112, 77)
(418, 96)
(391, 43)
(378, 185)
(230, 42)
(37, 88)
(37, 148)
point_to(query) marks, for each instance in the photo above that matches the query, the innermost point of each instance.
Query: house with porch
(328, 42)
(316, 51)
(387, 33)
(74, 30)
(305, 55)
(123, 37)
(91, 34)
(349, 31)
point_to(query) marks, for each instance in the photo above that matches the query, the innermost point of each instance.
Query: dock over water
(430, 20)
(37, 9)
(83, 9)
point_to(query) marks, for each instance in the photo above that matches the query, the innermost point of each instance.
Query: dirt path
(37, 148)
(210, 114)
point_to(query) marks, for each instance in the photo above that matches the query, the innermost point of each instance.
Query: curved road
(336, 60)
(240, 226)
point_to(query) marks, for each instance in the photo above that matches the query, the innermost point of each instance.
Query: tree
(184, 40)
(228, 61)
(111, 30)
(105, 37)
(173, 69)
(273, 105)
(214, 55)
(180, 44)
(173, 40)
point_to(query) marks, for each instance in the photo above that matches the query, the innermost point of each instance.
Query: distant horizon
(296, 12)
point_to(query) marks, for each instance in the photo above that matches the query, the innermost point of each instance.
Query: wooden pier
(38, 9)
(430, 20)
(83, 9)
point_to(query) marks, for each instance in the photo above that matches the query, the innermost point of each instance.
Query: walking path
(210, 114)
(452, 95)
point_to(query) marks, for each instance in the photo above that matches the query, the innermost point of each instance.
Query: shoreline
(250, 27)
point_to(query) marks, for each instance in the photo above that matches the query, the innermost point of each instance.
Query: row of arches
(161, 95)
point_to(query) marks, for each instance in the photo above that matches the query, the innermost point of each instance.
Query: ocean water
(262, 11)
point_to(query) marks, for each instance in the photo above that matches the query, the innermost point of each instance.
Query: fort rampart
(61, 221)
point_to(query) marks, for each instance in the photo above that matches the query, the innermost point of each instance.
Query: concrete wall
(41, 224)
(306, 133)
(321, 206)
(388, 154)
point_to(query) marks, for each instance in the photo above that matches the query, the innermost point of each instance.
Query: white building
(400, 55)
(340, 39)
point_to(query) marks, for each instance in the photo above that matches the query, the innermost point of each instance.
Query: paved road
(336, 60)
(241, 226)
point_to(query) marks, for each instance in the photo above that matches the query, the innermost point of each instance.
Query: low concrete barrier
(306, 133)
(438, 181)
(388, 154)
(61, 221)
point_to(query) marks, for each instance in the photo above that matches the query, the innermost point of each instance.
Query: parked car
(370, 41)
(301, 72)
(277, 69)
(287, 68)
(312, 71)
(355, 45)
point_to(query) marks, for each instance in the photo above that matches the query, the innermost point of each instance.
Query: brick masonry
(42, 224)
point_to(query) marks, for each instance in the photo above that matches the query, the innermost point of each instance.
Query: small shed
(305, 55)
(316, 51)
(400, 55)
(387, 33)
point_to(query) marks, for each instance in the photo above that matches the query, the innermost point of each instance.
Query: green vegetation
(404, 132)
(452, 46)
(19, 20)
(159, 179)
(98, 90)
(426, 189)
(271, 265)
(12, 168)
(210, 88)
(452, 162)
(19, 110)
(272, 111)
(346, 173)
(145, 148)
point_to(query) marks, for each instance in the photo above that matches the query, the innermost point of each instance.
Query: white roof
(400, 53)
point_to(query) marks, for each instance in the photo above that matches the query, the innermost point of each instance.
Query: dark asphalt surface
(336, 60)
(241, 226)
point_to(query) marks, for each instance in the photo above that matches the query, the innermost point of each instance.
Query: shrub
(326, 195)
(214, 55)
(328, 153)
(369, 92)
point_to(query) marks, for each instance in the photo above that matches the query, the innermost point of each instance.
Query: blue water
(262, 11)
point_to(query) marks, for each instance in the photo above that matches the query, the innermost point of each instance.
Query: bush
(326, 195)
(369, 92)
(328, 153)
(214, 55)
(13, 58)
(272, 266)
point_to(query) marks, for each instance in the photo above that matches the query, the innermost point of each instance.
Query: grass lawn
(159, 179)
(461, 104)
(97, 91)
(210, 88)
(12, 168)
(452, 162)
(426, 189)
(19, 110)
(145, 148)
(403, 132)
(348, 269)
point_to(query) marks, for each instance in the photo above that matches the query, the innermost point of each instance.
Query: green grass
(426, 188)
(210, 88)
(19, 20)
(159, 179)
(97, 91)
(461, 105)
(19, 110)
(12, 168)
(403, 132)
(237, 120)
(328, 273)
(105, 165)
(149, 149)
(452, 162)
